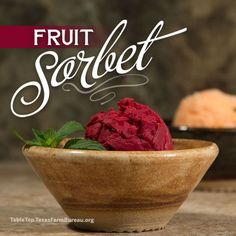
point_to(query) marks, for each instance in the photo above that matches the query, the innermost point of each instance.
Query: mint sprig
(84, 144)
(68, 129)
(51, 138)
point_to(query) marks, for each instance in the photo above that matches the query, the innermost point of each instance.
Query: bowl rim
(206, 148)
(185, 128)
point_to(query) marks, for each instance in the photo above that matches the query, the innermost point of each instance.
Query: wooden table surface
(22, 194)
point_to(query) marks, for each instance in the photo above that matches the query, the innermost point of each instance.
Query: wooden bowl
(122, 191)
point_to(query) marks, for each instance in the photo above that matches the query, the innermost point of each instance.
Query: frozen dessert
(207, 109)
(133, 127)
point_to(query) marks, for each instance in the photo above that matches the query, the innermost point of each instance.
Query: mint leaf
(51, 138)
(39, 136)
(18, 136)
(84, 144)
(68, 129)
(27, 142)
(71, 142)
(45, 139)
(33, 143)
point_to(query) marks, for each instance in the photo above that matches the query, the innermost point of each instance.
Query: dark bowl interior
(224, 167)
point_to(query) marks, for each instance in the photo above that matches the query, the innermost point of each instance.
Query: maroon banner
(48, 36)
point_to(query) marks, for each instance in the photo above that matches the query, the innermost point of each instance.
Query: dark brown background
(204, 57)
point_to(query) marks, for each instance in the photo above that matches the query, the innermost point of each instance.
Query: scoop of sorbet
(134, 127)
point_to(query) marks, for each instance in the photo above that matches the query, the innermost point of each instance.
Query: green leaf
(33, 143)
(39, 136)
(84, 144)
(71, 142)
(51, 138)
(28, 142)
(68, 129)
(18, 136)
(50, 133)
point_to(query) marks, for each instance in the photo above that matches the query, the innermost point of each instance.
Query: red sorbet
(134, 127)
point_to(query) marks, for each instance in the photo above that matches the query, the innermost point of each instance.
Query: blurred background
(204, 57)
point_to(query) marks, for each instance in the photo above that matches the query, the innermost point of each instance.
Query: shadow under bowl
(122, 191)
